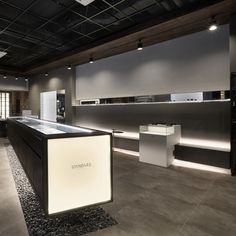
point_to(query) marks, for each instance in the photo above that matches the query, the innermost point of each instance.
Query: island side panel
(79, 172)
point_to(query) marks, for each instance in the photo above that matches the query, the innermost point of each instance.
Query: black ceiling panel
(19, 3)
(126, 8)
(100, 4)
(122, 24)
(32, 31)
(68, 19)
(47, 9)
(18, 28)
(8, 12)
(30, 21)
(86, 11)
(142, 4)
(116, 13)
(104, 19)
(87, 27)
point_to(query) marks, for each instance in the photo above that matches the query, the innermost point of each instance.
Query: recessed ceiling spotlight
(46, 74)
(91, 60)
(140, 45)
(2, 53)
(16, 78)
(213, 26)
(84, 2)
(69, 67)
(4, 76)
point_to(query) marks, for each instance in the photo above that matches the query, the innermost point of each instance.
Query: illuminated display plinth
(68, 167)
(156, 144)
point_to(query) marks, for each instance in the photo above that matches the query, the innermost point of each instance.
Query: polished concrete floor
(11, 216)
(148, 201)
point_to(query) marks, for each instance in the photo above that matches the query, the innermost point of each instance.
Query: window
(4, 105)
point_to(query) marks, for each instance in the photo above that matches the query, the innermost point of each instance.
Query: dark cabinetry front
(233, 123)
(3, 128)
(29, 149)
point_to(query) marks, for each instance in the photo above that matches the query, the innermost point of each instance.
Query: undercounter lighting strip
(208, 144)
(197, 166)
(127, 135)
(180, 163)
(128, 152)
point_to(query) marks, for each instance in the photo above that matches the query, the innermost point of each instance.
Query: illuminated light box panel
(79, 172)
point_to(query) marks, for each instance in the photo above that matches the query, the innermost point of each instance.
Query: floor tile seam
(201, 200)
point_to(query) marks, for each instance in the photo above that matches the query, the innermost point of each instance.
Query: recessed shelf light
(69, 67)
(16, 78)
(26, 80)
(140, 45)
(213, 26)
(2, 54)
(4, 76)
(46, 74)
(91, 60)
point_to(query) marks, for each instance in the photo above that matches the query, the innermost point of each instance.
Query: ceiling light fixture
(46, 74)
(213, 26)
(69, 67)
(2, 54)
(4, 76)
(140, 45)
(84, 2)
(91, 60)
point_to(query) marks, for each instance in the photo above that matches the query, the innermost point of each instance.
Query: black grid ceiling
(32, 31)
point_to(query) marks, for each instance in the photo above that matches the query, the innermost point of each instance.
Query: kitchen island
(69, 167)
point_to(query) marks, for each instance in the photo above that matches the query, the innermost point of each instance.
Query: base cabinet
(3, 128)
(30, 160)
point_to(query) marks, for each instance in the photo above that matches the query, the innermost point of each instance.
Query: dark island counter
(3, 128)
(69, 167)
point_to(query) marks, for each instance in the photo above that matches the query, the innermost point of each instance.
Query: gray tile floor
(155, 201)
(148, 200)
(11, 216)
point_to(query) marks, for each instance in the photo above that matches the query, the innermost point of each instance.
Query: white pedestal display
(156, 144)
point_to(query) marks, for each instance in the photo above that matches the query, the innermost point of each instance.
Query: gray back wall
(197, 62)
(207, 120)
(56, 80)
(10, 84)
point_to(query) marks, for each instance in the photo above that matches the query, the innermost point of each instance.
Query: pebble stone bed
(78, 222)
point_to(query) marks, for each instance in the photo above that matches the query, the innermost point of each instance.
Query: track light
(46, 74)
(140, 45)
(4, 76)
(213, 26)
(91, 60)
(69, 67)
